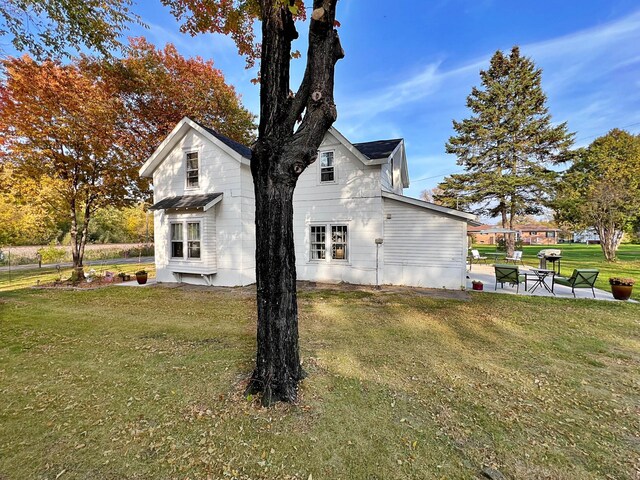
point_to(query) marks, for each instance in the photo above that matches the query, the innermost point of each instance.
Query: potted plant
(125, 277)
(141, 276)
(621, 287)
(476, 285)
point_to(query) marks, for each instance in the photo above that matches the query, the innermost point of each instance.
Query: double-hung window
(177, 244)
(318, 242)
(339, 242)
(336, 243)
(193, 240)
(193, 170)
(327, 168)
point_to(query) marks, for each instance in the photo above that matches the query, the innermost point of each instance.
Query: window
(337, 243)
(551, 234)
(318, 242)
(327, 167)
(192, 170)
(193, 240)
(176, 241)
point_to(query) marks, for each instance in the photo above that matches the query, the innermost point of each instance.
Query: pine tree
(507, 144)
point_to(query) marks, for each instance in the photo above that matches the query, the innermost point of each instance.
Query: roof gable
(237, 151)
(378, 149)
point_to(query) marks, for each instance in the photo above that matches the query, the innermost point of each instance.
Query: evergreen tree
(507, 144)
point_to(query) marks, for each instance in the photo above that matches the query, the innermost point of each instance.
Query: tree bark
(278, 368)
(281, 153)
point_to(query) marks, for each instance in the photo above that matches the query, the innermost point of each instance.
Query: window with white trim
(193, 239)
(318, 242)
(327, 168)
(192, 168)
(177, 244)
(337, 243)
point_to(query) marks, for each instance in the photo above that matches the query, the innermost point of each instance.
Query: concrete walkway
(486, 274)
(134, 283)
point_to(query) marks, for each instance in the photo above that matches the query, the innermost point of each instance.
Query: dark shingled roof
(185, 201)
(238, 147)
(377, 149)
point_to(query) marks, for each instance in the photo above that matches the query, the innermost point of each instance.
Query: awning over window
(184, 202)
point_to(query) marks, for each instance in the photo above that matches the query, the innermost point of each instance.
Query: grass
(589, 256)
(25, 278)
(147, 383)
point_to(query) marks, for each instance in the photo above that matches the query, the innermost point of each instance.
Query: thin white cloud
(582, 55)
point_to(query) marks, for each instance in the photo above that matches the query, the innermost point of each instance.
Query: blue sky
(409, 66)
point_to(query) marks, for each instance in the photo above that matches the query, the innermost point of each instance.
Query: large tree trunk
(280, 155)
(278, 368)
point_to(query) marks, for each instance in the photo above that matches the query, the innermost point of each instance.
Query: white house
(345, 204)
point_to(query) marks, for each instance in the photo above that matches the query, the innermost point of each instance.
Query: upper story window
(193, 170)
(327, 168)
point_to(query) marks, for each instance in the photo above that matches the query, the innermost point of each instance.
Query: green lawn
(144, 383)
(588, 256)
(21, 278)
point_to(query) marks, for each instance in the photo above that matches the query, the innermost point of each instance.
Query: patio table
(539, 276)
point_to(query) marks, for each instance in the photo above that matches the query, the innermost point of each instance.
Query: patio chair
(508, 274)
(517, 257)
(580, 278)
(475, 256)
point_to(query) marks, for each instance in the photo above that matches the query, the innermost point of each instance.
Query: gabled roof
(378, 149)
(238, 147)
(204, 201)
(368, 152)
(235, 150)
(470, 218)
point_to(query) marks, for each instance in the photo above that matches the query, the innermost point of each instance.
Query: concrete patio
(486, 274)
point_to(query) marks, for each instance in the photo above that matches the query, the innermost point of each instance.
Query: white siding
(224, 244)
(353, 200)
(422, 247)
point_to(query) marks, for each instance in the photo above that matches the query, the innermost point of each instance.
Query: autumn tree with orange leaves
(59, 124)
(159, 87)
(86, 128)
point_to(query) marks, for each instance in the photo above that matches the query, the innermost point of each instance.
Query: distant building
(482, 234)
(586, 236)
(527, 234)
(538, 235)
